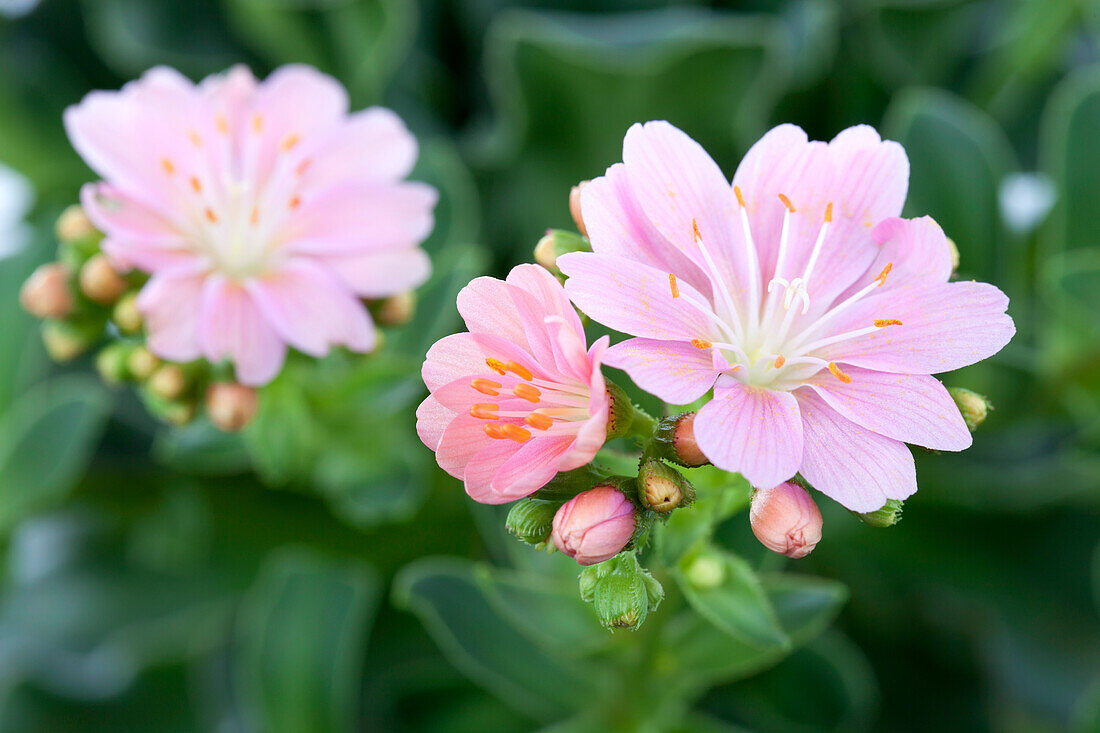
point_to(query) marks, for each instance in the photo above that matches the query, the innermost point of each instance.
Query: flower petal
(854, 466)
(912, 408)
(372, 145)
(432, 420)
(755, 432)
(169, 305)
(231, 325)
(674, 371)
(359, 217)
(379, 274)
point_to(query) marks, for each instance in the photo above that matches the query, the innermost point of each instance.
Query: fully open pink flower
(795, 293)
(518, 398)
(264, 211)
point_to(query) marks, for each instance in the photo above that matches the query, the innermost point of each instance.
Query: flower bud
(575, 206)
(554, 244)
(46, 293)
(142, 363)
(675, 438)
(65, 341)
(973, 406)
(168, 381)
(231, 406)
(594, 525)
(786, 520)
(621, 591)
(100, 281)
(887, 516)
(74, 224)
(662, 488)
(126, 314)
(532, 520)
(111, 361)
(621, 413)
(954, 254)
(177, 412)
(706, 571)
(396, 310)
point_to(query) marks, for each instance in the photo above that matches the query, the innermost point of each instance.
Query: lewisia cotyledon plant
(520, 397)
(263, 211)
(795, 293)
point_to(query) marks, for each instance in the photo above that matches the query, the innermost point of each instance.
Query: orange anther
(839, 374)
(257, 124)
(829, 212)
(881, 277)
(884, 322)
(527, 392)
(195, 139)
(167, 165)
(780, 361)
(516, 433)
(211, 215)
(484, 411)
(673, 286)
(495, 430)
(740, 198)
(301, 169)
(254, 217)
(290, 141)
(486, 386)
(787, 202)
(222, 124)
(695, 231)
(520, 371)
(295, 202)
(195, 184)
(496, 365)
(701, 343)
(539, 421)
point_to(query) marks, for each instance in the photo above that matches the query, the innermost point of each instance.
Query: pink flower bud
(786, 520)
(687, 450)
(46, 293)
(575, 206)
(594, 525)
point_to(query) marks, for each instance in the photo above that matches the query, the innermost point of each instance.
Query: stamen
(484, 411)
(516, 433)
(740, 198)
(486, 386)
(167, 165)
(527, 392)
(716, 280)
(884, 322)
(257, 124)
(755, 276)
(496, 365)
(701, 343)
(211, 215)
(222, 124)
(294, 202)
(254, 217)
(195, 139)
(290, 142)
(673, 286)
(839, 374)
(787, 202)
(829, 212)
(195, 184)
(539, 421)
(780, 361)
(520, 371)
(301, 169)
(881, 277)
(695, 231)
(495, 431)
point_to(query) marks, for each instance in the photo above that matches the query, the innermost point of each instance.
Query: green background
(319, 573)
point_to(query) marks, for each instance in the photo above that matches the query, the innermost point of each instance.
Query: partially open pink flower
(795, 293)
(264, 211)
(594, 525)
(518, 398)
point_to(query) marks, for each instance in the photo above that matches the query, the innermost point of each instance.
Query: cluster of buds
(622, 592)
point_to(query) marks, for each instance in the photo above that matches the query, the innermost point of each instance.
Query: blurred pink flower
(263, 210)
(814, 314)
(518, 398)
(594, 525)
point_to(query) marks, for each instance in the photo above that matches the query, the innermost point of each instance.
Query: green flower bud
(589, 579)
(74, 225)
(142, 363)
(621, 414)
(706, 571)
(169, 381)
(111, 362)
(100, 281)
(396, 310)
(176, 412)
(674, 440)
(973, 406)
(66, 340)
(621, 597)
(532, 519)
(554, 244)
(954, 254)
(662, 488)
(887, 516)
(126, 315)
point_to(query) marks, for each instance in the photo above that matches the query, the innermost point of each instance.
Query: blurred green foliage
(318, 573)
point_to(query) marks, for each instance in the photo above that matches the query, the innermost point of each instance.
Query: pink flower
(786, 520)
(264, 211)
(814, 314)
(518, 398)
(594, 525)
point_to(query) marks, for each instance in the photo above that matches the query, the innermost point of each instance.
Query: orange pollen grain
(787, 202)
(520, 371)
(881, 277)
(527, 392)
(211, 215)
(291, 141)
(673, 286)
(740, 198)
(301, 169)
(486, 386)
(516, 433)
(839, 374)
(167, 165)
(254, 217)
(701, 343)
(257, 124)
(780, 361)
(195, 138)
(195, 184)
(884, 322)
(539, 421)
(695, 231)
(222, 124)
(295, 202)
(496, 365)
(484, 411)
(829, 212)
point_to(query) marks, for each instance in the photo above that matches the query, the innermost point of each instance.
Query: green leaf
(283, 437)
(46, 440)
(957, 156)
(719, 495)
(200, 448)
(23, 359)
(486, 646)
(303, 628)
(725, 590)
(1069, 152)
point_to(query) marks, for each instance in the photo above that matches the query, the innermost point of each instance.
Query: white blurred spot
(15, 8)
(1026, 199)
(16, 200)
